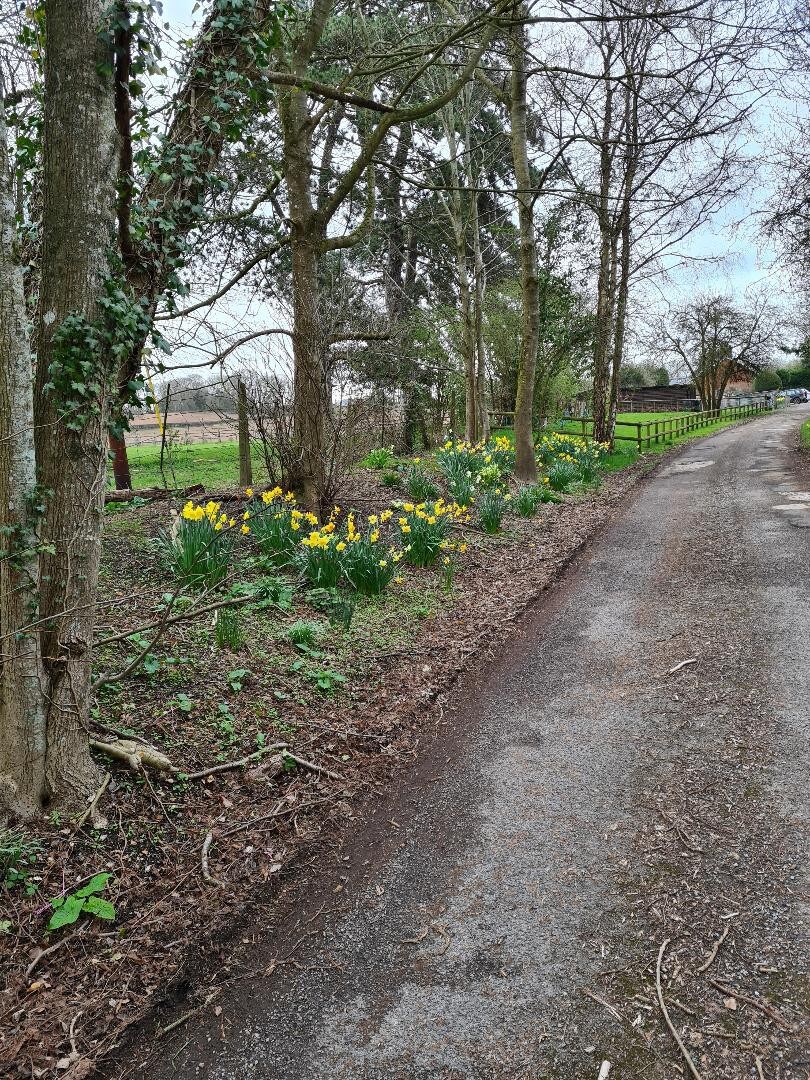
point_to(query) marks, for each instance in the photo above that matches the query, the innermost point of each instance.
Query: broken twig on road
(707, 963)
(683, 664)
(673, 1030)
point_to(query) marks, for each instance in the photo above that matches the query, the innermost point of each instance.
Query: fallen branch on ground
(683, 664)
(313, 766)
(134, 754)
(206, 875)
(673, 1030)
(52, 949)
(228, 765)
(707, 963)
(192, 1012)
(763, 1006)
(91, 808)
(126, 494)
(601, 1001)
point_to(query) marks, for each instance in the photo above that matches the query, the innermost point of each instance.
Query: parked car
(800, 395)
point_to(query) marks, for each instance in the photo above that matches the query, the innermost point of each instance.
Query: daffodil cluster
(278, 525)
(197, 546)
(448, 550)
(320, 555)
(569, 459)
(425, 526)
(369, 564)
(467, 467)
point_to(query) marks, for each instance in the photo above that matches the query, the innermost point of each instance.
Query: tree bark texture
(22, 682)
(79, 179)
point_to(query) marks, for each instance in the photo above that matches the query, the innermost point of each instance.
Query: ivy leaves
(88, 355)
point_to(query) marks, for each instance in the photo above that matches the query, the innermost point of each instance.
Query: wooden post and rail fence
(646, 434)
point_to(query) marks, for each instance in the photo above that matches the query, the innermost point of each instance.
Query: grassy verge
(804, 436)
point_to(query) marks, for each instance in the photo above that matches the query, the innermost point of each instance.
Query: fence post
(243, 436)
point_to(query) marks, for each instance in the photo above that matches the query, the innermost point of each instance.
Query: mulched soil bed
(63, 1009)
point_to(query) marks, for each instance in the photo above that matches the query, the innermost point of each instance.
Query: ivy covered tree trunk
(75, 373)
(22, 683)
(525, 461)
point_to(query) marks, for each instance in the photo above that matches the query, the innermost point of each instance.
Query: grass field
(628, 435)
(216, 464)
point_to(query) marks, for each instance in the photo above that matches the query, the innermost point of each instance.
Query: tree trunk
(525, 461)
(77, 228)
(467, 339)
(482, 415)
(604, 298)
(22, 701)
(120, 462)
(310, 402)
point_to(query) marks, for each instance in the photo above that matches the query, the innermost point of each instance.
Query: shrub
(198, 545)
(419, 485)
(378, 459)
(391, 479)
(424, 528)
(491, 509)
(767, 380)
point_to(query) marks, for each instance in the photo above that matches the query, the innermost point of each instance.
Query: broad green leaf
(68, 913)
(96, 884)
(101, 908)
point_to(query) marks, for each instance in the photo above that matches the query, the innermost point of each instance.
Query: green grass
(217, 464)
(214, 464)
(804, 435)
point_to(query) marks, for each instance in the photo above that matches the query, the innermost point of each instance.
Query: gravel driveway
(588, 801)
